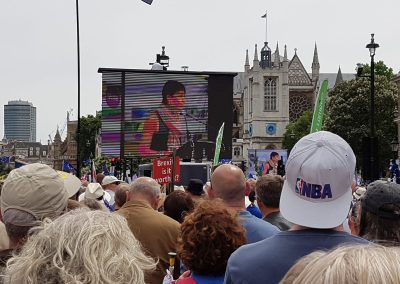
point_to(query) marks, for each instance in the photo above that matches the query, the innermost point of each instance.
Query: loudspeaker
(370, 163)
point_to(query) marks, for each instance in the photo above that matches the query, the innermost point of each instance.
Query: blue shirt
(254, 210)
(203, 279)
(268, 261)
(256, 229)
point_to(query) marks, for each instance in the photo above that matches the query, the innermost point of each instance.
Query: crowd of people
(314, 225)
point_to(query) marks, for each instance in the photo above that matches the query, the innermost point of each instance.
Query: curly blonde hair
(354, 264)
(81, 246)
(209, 236)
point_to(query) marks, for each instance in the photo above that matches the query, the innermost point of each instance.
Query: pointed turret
(255, 53)
(57, 137)
(339, 77)
(285, 59)
(246, 63)
(315, 65)
(256, 62)
(277, 59)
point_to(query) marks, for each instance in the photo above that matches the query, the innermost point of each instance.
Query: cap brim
(319, 215)
(71, 183)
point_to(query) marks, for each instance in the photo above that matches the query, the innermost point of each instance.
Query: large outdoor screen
(151, 113)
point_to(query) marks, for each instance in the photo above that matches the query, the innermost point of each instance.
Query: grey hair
(147, 186)
(352, 264)
(81, 246)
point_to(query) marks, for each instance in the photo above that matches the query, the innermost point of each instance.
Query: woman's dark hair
(177, 204)
(170, 88)
(252, 196)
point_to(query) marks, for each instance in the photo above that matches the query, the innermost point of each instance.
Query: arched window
(270, 95)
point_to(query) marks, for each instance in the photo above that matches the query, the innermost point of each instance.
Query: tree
(348, 112)
(380, 69)
(90, 127)
(296, 130)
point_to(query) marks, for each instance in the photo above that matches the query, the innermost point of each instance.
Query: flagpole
(266, 27)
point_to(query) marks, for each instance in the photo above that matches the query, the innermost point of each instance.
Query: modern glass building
(20, 121)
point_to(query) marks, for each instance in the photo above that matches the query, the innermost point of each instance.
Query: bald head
(228, 183)
(145, 188)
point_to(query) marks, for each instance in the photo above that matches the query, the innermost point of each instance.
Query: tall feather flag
(94, 174)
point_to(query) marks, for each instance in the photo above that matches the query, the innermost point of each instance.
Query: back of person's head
(252, 196)
(228, 183)
(209, 235)
(269, 189)
(296, 269)
(177, 205)
(93, 204)
(195, 187)
(145, 189)
(99, 178)
(367, 264)
(81, 247)
(319, 175)
(380, 213)
(30, 194)
(120, 196)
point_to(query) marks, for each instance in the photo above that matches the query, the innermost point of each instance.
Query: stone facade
(276, 91)
(64, 150)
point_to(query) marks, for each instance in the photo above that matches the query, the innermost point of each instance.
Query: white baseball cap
(319, 173)
(109, 180)
(95, 191)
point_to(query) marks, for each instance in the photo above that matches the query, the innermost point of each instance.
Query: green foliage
(296, 130)
(380, 70)
(90, 126)
(348, 112)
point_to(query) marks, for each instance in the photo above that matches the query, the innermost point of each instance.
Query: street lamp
(78, 132)
(372, 46)
(370, 144)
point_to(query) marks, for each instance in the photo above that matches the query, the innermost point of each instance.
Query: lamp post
(78, 132)
(372, 46)
(370, 144)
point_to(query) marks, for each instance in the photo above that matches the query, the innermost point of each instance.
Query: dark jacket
(276, 219)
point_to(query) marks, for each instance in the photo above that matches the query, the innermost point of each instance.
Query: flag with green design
(319, 110)
(218, 143)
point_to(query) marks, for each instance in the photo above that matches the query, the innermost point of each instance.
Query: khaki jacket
(157, 233)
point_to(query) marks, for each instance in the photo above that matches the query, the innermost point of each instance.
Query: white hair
(367, 264)
(146, 186)
(81, 246)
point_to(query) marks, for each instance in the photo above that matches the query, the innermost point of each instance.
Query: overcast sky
(38, 42)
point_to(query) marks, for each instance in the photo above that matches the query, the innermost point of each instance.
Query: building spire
(285, 55)
(255, 53)
(247, 58)
(339, 77)
(315, 58)
(277, 56)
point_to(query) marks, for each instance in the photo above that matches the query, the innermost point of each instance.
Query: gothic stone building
(275, 91)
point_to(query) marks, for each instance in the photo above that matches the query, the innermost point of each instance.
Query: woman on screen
(164, 129)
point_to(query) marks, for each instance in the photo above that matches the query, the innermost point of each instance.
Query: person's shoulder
(263, 224)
